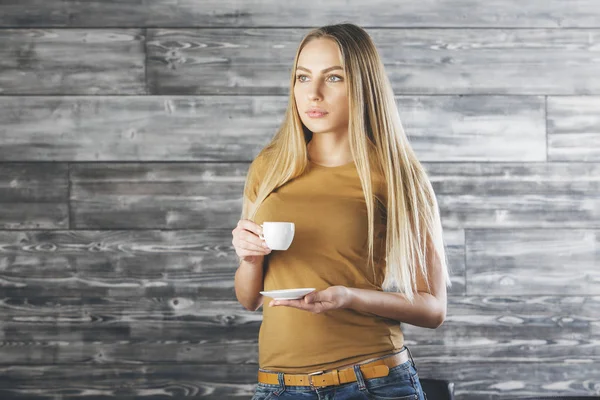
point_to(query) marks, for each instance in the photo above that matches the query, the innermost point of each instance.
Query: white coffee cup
(278, 235)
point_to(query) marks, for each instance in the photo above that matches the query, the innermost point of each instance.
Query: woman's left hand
(332, 298)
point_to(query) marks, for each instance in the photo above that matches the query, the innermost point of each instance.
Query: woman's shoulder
(258, 166)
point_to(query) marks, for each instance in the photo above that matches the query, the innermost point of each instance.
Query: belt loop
(411, 358)
(281, 378)
(359, 378)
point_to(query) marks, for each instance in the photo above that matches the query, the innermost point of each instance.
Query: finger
(312, 297)
(250, 253)
(250, 226)
(254, 247)
(252, 238)
(290, 303)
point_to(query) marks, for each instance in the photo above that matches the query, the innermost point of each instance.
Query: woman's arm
(428, 309)
(248, 284)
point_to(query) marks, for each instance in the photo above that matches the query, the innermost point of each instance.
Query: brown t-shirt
(330, 248)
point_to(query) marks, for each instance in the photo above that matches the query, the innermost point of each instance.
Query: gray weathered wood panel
(132, 128)
(545, 261)
(34, 196)
(253, 13)
(417, 61)
(574, 128)
(517, 195)
(137, 128)
(127, 382)
(475, 128)
(515, 380)
(114, 264)
(149, 195)
(73, 61)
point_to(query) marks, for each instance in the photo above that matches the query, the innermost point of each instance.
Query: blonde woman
(368, 234)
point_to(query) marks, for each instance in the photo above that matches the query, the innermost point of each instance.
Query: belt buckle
(310, 382)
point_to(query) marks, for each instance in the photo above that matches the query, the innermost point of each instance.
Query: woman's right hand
(248, 245)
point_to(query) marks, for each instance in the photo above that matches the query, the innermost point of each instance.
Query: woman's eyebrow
(323, 71)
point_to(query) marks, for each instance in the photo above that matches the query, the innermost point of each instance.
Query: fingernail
(265, 245)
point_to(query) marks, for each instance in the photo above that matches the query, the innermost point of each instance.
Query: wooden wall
(126, 131)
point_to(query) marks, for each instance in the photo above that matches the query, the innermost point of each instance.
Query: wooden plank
(543, 261)
(507, 380)
(152, 381)
(252, 13)
(138, 330)
(115, 264)
(417, 61)
(33, 196)
(574, 128)
(130, 330)
(132, 128)
(182, 195)
(72, 61)
(74, 128)
(475, 128)
(519, 328)
(517, 195)
(473, 381)
(118, 263)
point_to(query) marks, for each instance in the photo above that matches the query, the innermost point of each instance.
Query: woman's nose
(314, 93)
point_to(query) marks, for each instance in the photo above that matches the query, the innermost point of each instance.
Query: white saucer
(288, 294)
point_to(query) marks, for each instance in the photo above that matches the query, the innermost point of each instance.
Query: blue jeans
(402, 383)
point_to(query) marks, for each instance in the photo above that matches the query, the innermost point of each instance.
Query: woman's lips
(316, 114)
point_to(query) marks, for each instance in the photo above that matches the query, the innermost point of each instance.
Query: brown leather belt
(373, 369)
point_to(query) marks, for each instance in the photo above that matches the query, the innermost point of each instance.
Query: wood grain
(254, 13)
(475, 128)
(114, 264)
(517, 195)
(182, 195)
(72, 61)
(498, 380)
(137, 128)
(33, 196)
(573, 128)
(129, 382)
(417, 61)
(544, 261)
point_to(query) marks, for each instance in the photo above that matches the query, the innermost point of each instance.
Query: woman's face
(321, 86)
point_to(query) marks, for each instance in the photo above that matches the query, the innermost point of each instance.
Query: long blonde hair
(377, 141)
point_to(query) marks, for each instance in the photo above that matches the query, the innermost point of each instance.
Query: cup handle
(260, 235)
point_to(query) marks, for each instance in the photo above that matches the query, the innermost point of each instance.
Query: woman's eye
(339, 78)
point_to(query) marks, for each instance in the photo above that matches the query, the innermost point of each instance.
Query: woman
(368, 234)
